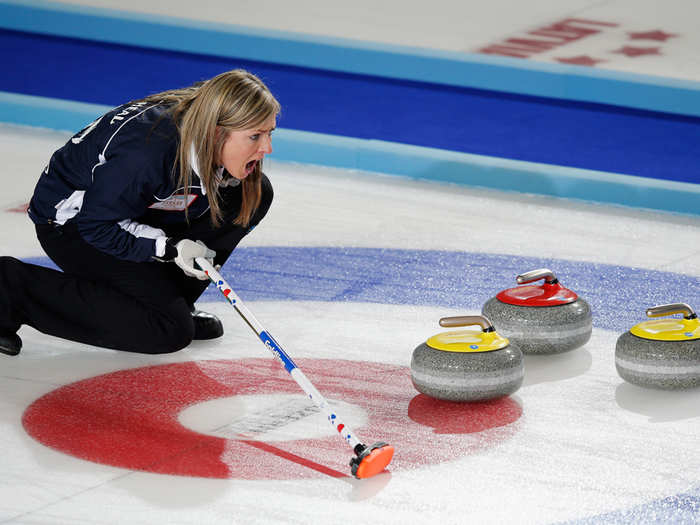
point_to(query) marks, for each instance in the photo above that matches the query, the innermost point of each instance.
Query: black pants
(104, 301)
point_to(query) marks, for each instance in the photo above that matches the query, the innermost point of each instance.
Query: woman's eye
(255, 137)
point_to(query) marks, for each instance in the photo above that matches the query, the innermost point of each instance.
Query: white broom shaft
(274, 347)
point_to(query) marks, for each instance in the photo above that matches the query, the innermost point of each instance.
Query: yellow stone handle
(467, 320)
(670, 309)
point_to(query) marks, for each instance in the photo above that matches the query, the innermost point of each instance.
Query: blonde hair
(234, 100)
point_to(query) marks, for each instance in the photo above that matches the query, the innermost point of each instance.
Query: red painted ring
(129, 419)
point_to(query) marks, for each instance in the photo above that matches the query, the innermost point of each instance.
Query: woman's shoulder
(143, 126)
(140, 115)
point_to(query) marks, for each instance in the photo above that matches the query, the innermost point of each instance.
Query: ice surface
(349, 272)
(575, 441)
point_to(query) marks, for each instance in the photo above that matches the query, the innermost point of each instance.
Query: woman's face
(243, 149)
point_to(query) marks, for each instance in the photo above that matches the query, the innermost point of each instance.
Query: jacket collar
(194, 159)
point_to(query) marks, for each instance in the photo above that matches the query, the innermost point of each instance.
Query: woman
(168, 178)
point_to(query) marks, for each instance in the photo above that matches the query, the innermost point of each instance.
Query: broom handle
(274, 347)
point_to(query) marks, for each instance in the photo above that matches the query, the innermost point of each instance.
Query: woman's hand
(187, 251)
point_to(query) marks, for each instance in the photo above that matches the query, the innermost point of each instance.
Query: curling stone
(541, 319)
(467, 365)
(663, 353)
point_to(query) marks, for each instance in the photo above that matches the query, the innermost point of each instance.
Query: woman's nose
(266, 145)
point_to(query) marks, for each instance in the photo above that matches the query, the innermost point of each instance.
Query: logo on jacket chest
(174, 203)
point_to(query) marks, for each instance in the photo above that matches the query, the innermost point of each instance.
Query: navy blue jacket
(115, 180)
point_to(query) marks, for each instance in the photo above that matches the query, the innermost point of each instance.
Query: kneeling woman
(167, 178)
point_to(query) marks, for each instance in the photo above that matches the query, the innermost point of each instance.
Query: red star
(581, 60)
(659, 35)
(632, 51)
(19, 209)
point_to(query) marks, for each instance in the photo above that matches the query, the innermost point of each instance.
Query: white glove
(187, 250)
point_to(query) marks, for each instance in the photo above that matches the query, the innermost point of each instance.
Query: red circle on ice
(129, 419)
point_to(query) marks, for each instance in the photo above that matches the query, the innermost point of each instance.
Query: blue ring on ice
(618, 295)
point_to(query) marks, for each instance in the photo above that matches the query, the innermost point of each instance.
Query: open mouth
(250, 166)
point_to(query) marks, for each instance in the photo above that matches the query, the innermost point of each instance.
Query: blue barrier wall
(462, 127)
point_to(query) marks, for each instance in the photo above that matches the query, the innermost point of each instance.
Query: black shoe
(206, 325)
(10, 344)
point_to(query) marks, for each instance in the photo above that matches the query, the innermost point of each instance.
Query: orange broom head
(375, 461)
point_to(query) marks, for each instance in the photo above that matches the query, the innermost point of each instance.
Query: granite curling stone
(661, 353)
(541, 319)
(467, 365)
